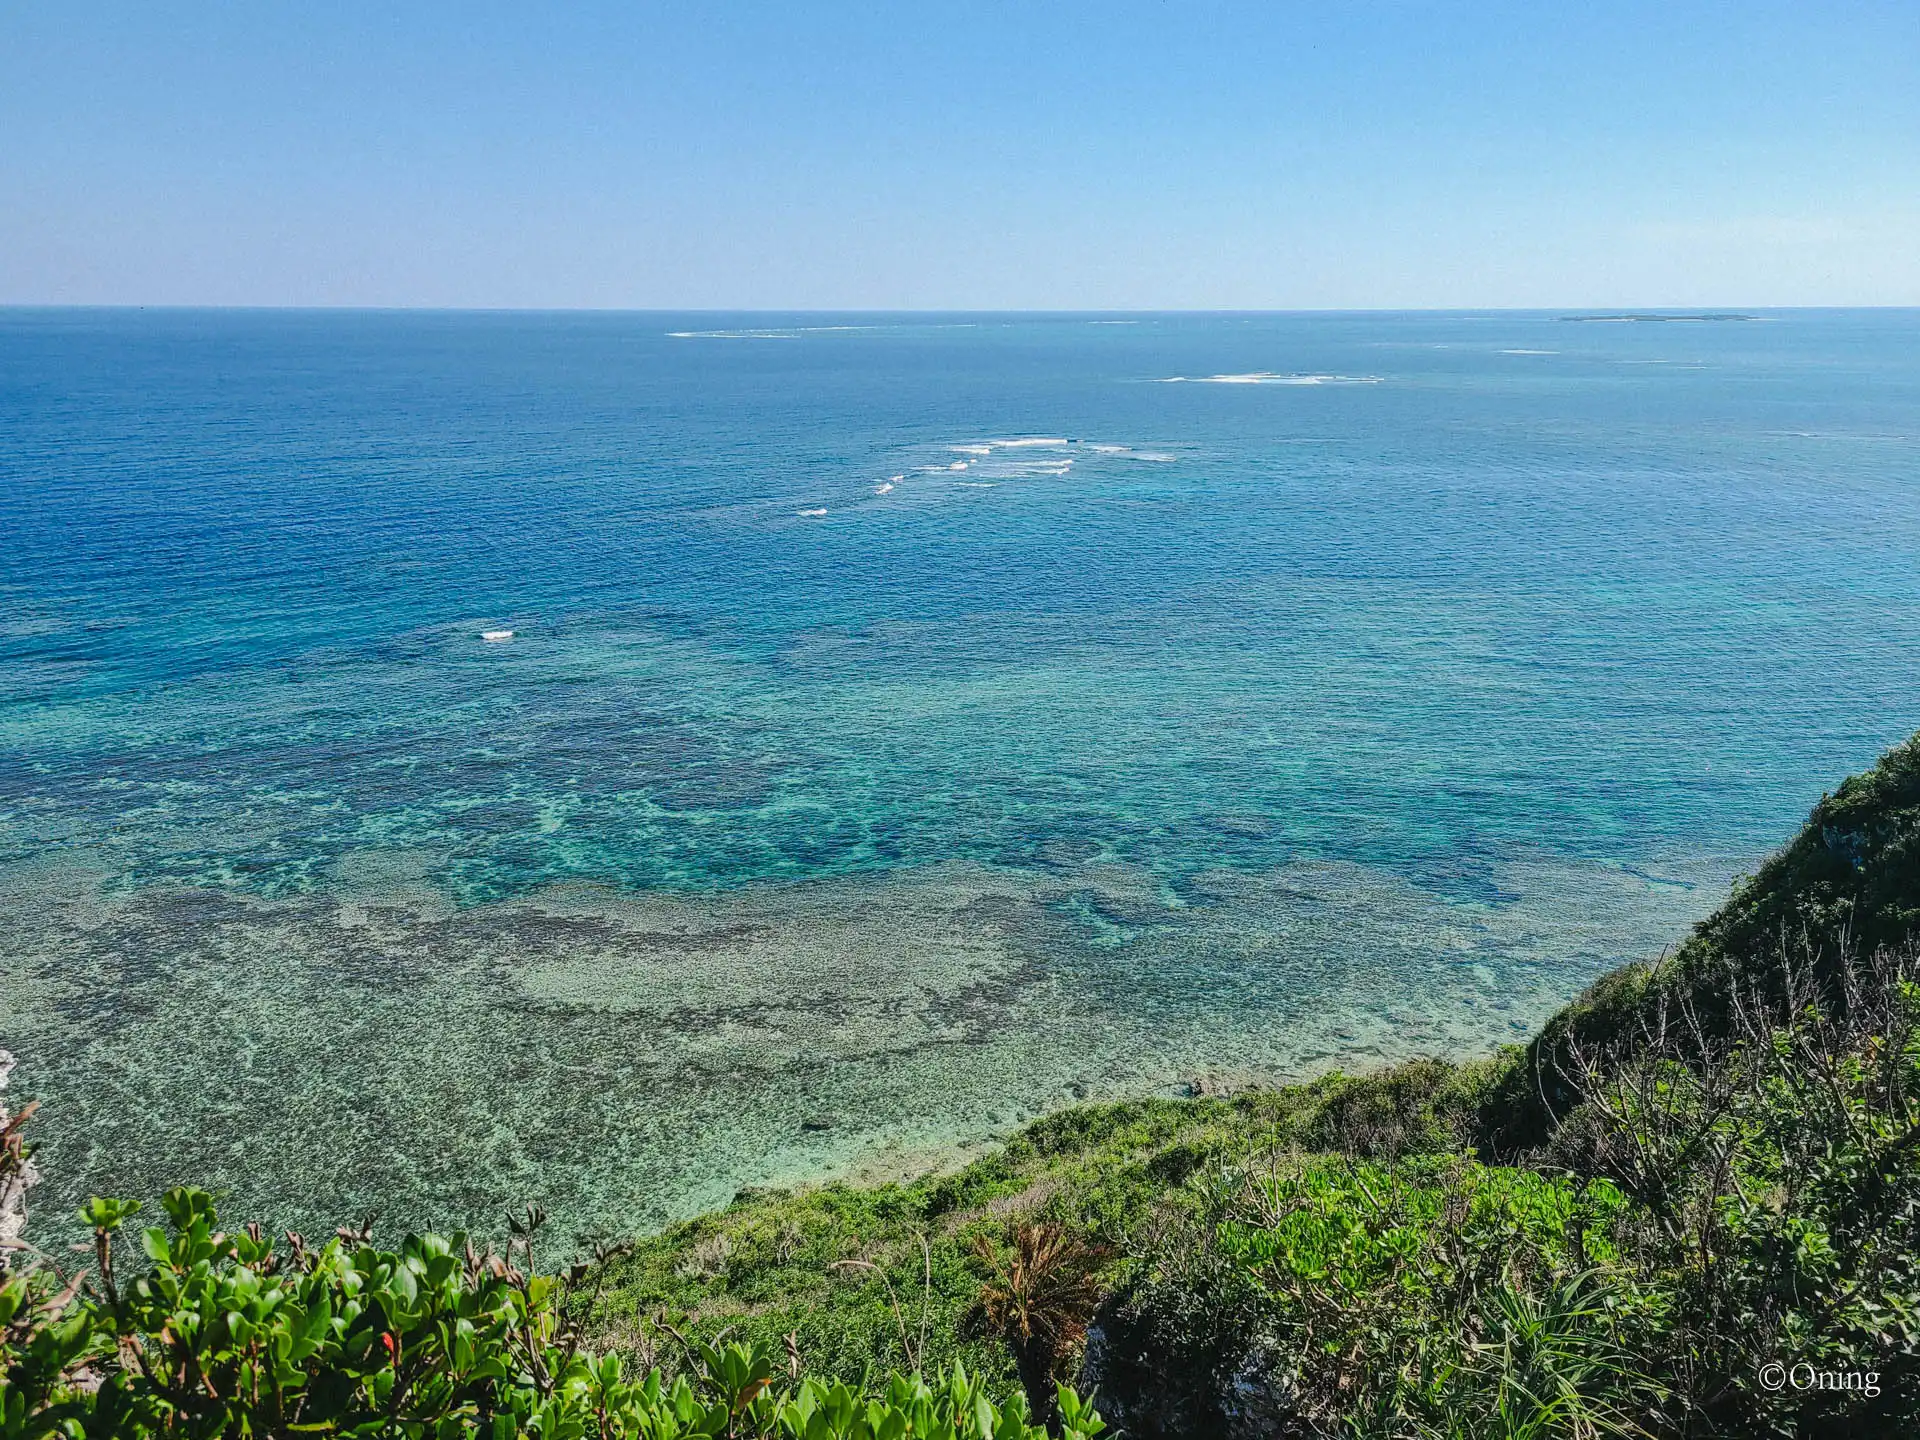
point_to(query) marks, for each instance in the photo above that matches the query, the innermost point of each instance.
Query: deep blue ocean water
(908, 723)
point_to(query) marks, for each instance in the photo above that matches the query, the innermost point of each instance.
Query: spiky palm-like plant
(1040, 1298)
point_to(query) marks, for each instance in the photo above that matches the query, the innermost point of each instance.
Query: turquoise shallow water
(908, 724)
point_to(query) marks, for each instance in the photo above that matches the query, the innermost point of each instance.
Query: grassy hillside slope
(1849, 882)
(875, 1276)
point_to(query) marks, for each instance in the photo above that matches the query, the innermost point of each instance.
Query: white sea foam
(1027, 469)
(1014, 458)
(811, 514)
(1529, 352)
(496, 637)
(883, 489)
(1829, 435)
(770, 332)
(1270, 377)
(977, 484)
(733, 334)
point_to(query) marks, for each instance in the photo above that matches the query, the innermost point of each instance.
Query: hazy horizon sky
(962, 156)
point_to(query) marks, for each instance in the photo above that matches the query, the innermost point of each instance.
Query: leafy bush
(1723, 1198)
(232, 1335)
(1775, 1175)
(1392, 1296)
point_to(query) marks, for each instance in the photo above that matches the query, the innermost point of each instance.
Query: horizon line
(1625, 310)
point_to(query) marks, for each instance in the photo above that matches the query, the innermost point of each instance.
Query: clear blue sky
(1048, 154)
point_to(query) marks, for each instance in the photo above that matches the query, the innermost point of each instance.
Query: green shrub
(1392, 1296)
(1775, 1174)
(1720, 1200)
(231, 1335)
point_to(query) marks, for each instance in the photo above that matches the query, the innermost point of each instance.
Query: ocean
(907, 724)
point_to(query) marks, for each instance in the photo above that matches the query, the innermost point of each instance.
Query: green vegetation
(1691, 1207)
(230, 1335)
(893, 1274)
(1710, 1209)
(1334, 1259)
(1847, 885)
(1701, 1168)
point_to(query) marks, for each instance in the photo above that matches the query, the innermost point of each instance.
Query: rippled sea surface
(907, 725)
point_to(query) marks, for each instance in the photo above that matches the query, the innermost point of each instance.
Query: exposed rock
(17, 1174)
(1151, 1388)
